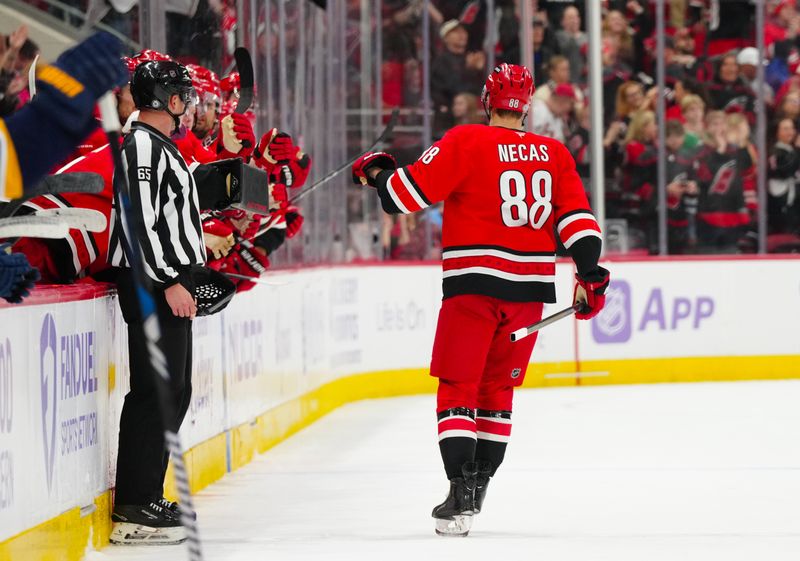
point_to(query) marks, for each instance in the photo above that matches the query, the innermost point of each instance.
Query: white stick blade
(78, 218)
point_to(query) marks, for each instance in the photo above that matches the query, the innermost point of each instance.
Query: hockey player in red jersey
(507, 194)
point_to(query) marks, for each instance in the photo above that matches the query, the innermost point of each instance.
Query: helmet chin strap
(176, 117)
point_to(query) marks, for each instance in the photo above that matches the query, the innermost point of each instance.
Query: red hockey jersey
(506, 194)
(81, 252)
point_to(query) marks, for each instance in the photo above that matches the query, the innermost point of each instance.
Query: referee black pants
(142, 458)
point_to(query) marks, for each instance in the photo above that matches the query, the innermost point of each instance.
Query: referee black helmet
(154, 82)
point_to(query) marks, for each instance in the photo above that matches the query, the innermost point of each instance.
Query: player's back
(507, 193)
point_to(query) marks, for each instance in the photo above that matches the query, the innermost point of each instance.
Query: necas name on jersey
(512, 153)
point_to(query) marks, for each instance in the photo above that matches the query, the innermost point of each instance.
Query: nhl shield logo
(515, 373)
(49, 393)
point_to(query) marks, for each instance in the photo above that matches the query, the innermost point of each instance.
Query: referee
(164, 198)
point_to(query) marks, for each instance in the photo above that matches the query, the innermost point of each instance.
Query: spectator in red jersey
(782, 23)
(783, 206)
(728, 91)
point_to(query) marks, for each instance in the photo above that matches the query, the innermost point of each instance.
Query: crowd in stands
(711, 64)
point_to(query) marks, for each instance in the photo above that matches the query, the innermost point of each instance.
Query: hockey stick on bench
(531, 329)
(33, 226)
(386, 132)
(77, 218)
(152, 329)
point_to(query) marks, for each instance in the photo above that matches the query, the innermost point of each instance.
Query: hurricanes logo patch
(515, 373)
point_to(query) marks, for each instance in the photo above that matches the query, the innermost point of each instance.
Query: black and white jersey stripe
(165, 202)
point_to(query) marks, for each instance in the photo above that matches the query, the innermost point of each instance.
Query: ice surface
(659, 472)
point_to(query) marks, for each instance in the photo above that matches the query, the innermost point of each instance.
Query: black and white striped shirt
(164, 196)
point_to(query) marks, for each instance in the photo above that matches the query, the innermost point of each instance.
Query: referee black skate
(164, 198)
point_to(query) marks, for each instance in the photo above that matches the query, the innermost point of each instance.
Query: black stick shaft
(152, 331)
(386, 132)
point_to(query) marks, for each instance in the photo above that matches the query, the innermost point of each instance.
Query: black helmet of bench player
(155, 82)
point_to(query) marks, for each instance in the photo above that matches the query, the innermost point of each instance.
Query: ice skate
(173, 508)
(454, 515)
(149, 524)
(482, 478)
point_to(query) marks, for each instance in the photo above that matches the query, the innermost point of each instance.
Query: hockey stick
(386, 132)
(78, 182)
(152, 330)
(33, 227)
(244, 66)
(77, 218)
(531, 329)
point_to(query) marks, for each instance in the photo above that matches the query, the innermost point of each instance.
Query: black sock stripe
(456, 412)
(495, 414)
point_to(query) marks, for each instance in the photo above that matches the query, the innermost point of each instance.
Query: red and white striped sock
(493, 430)
(457, 437)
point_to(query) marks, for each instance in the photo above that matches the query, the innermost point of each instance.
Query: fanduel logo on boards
(67, 371)
(619, 320)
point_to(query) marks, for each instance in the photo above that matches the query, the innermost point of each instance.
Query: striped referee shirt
(164, 198)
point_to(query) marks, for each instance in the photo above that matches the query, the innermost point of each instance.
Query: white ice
(625, 473)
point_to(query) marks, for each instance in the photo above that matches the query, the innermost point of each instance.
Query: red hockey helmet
(509, 87)
(149, 54)
(230, 84)
(205, 82)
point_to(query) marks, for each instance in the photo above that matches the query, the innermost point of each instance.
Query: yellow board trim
(13, 174)
(66, 536)
(63, 538)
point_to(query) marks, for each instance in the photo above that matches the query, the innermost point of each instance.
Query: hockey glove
(238, 138)
(278, 196)
(17, 277)
(368, 161)
(294, 221)
(218, 237)
(248, 261)
(275, 148)
(293, 174)
(591, 292)
(247, 225)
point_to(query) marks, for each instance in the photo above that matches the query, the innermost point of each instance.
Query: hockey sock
(456, 438)
(493, 431)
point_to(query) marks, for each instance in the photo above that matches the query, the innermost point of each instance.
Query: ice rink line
(655, 472)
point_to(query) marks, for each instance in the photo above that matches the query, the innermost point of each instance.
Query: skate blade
(125, 533)
(458, 526)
